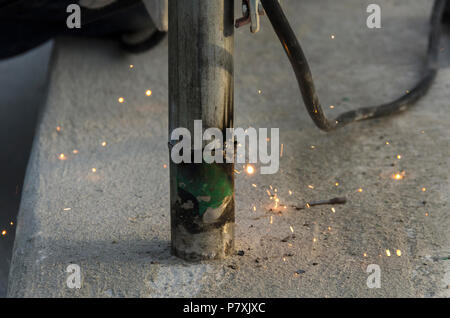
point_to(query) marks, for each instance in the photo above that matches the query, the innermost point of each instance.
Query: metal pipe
(201, 85)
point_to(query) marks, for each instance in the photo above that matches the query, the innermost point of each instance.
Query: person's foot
(24, 26)
(132, 25)
(142, 40)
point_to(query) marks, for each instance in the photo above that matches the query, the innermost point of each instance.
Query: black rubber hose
(305, 79)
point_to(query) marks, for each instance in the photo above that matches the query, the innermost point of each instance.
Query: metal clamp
(252, 10)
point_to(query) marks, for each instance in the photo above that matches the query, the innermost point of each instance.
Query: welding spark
(104, 144)
(250, 169)
(399, 253)
(62, 157)
(398, 176)
(121, 100)
(148, 93)
(94, 170)
(75, 152)
(388, 252)
(4, 232)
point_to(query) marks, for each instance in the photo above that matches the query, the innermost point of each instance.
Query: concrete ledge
(117, 228)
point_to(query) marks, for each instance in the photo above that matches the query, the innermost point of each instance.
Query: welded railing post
(201, 84)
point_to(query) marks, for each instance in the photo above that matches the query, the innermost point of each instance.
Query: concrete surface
(117, 228)
(23, 82)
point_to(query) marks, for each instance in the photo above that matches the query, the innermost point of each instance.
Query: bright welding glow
(398, 176)
(250, 169)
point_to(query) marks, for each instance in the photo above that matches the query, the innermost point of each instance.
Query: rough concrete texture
(118, 227)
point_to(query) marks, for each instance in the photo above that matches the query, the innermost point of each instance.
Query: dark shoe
(142, 40)
(25, 25)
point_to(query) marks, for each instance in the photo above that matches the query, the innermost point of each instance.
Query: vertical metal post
(201, 87)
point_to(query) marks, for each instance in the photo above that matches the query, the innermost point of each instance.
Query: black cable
(305, 79)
